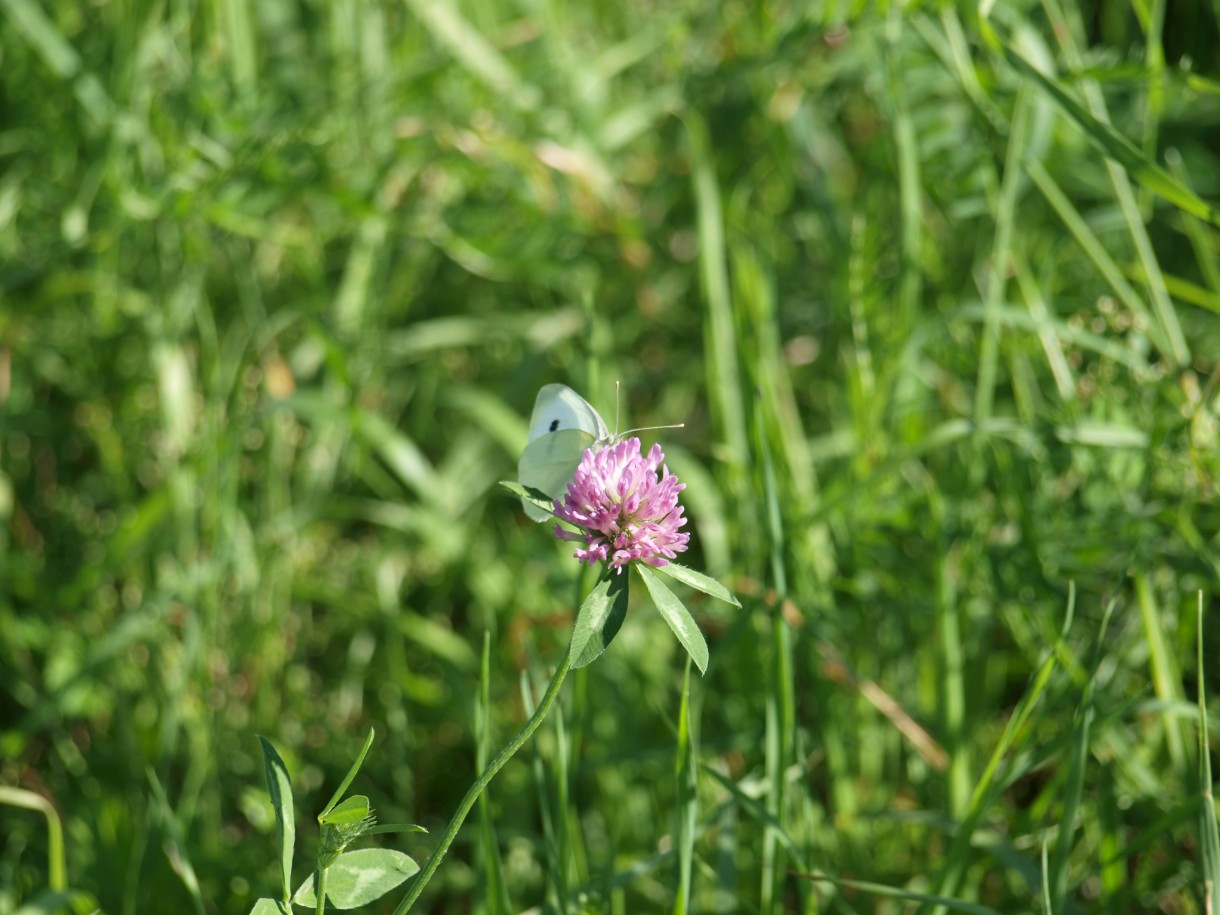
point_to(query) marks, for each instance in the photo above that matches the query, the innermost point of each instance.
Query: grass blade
(175, 847)
(1095, 250)
(1115, 146)
(1001, 256)
(473, 52)
(687, 808)
(721, 369)
(495, 890)
(1209, 833)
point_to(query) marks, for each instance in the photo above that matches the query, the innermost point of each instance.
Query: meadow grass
(934, 288)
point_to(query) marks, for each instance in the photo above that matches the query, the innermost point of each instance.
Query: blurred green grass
(280, 280)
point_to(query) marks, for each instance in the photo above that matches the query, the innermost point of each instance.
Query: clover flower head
(626, 512)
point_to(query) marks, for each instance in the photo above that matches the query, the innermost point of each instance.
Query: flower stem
(417, 887)
(320, 887)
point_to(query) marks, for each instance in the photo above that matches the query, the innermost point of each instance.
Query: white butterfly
(562, 427)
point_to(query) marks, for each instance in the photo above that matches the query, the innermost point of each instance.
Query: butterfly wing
(549, 462)
(558, 407)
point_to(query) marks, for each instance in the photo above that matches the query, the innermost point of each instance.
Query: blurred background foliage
(279, 283)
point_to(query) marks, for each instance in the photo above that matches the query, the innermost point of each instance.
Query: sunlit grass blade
(240, 42)
(1052, 345)
(1163, 669)
(56, 52)
(1001, 257)
(1092, 247)
(474, 52)
(1068, 23)
(1185, 291)
(1201, 235)
(1114, 145)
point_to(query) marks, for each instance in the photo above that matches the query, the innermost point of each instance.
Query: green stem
(417, 887)
(320, 890)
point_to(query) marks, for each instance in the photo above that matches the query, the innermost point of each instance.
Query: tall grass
(934, 289)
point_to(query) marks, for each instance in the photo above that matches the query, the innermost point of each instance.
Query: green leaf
(347, 779)
(267, 906)
(279, 786)
(358, 877)
(699, 582)
(678, 617)
(599, 619)
(352, 810)
(530, 494)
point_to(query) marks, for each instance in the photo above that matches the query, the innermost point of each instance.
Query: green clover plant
(626, 516)
(346, 879)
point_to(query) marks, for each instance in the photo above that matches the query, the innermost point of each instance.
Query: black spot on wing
(554, 425)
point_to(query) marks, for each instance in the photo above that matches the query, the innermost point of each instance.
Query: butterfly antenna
(655, 428)
(618, 436)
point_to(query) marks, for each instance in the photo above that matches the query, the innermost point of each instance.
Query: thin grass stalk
(1209, 832)
(560, 821)
(685, 773)
(724, 383)
(1166, 678)
(1001, 254)
(780, 709)
(496, 892)
(989, 783)
(556, 891)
